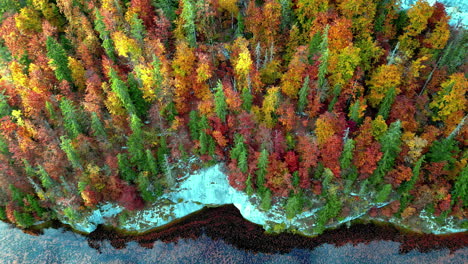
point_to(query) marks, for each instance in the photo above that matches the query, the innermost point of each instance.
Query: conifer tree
(220, 102)
(70, 118)
(390, 147)
(125, 168)
(59, 60)
(265, 205)
(135, 141)
(194, 125)
(387, 102)
(323, 68)
(46, 181)
(444, 150)
(104, 34)
(262, 165)
(97, 128)
(188, 16)
(460, 188)
(121, 90)
(70, 151)
(347, 154)
(303, 93)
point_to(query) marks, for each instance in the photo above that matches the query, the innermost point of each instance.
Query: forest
(102, 100)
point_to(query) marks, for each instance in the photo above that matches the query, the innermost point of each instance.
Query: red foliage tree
(330, 154)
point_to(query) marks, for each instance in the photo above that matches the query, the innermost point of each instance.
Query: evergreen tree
(121, 90)
(137, 29)
(70, 118)
(188, 14)
(59, 58)
(248, 183)
(46, 181)
(135, 141)
(24, 220)
(347, 154)
(125, 168)
(70, 151)
(3, 215)
(97, 128)
(293, 205)
(151, 163)
(383, 194)
(444, 150)
(390, 147)
(5, 108)
(323, 68)
(247, 99)
(239, 152)
(386, 105)
(16, 195)
(265, 205)
(303, 93)
(136, 96)
(104, 35)
(460, 188)
(262, 165)
(220, 102)
(194, 125)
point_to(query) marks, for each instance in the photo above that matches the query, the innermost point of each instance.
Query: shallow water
(61, 246)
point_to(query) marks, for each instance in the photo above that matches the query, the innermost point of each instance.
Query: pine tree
(293, 206)
(59, 60)
(390, 147)
(70, 118)
(386, 105)
(248, 183)
(46, 181)
(97, 128)
(104, 34)
(5, 108)
(121, 90)
(444, 150)
(188, 16)
(347, 155)
(194, 125)
(460, 188)
(125, 168)
(262, 165)
(303, 93)
(323, 68)
(383, 194)
(265, 205)
(220, 102)
(70, 151)
(136, 96)
(137, 29)
(24, 220)
(135, 141)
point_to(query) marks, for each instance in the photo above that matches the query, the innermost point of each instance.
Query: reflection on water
(60, 246)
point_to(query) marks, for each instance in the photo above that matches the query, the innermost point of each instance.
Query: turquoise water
(60, 246)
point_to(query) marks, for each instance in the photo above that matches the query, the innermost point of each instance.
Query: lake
(220, 235)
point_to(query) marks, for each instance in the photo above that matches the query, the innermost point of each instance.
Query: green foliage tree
(262, 165)
(70, 118)
(125, 167)
(387, 102)
(460, 188)
(121, 90)
(293, 205)
(390, 147)
(323, 68)
(46, 181)
(220, 102)
(72, 155)
(59, 60)
(136, 96)
(24, 220)
(444, 149)
(97, 128)
(104, 35)
(3, 215)
(188, 14)
(239, 152)
(265, 205)
(383, 194)
(303, 93)
(347, 155)
(193, 125)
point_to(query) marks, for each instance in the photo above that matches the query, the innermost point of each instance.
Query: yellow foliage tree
(269, 105)
(125, 46)
(382, 80)
(451, 98)
(28, 20)
(78, 72)
(324, 129)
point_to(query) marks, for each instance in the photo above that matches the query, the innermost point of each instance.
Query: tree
(220, 102)
(262, 165)
(70, 118)
(390, 145)
(239, 153)
(104, 34)
(135, 141)
(384, 78)
(72, 155)
(121, 90)
(303, 94)
(451, 98)
(186, 23)
(59, 60)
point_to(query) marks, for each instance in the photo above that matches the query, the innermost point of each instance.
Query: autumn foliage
(100, 99)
